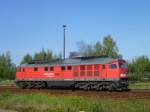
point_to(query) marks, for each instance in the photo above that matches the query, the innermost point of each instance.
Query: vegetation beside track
(38, 102)
(7, 83)
(140, 85)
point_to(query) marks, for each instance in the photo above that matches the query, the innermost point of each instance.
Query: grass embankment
(140, 85)
(7, 82)
(38, 102)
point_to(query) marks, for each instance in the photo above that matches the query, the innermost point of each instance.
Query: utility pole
(64, 41)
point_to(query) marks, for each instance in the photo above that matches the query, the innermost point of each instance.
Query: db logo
(49, 74)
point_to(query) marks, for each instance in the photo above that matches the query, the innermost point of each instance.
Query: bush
(139, 68)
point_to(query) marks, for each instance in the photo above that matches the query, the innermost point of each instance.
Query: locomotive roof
(72, 61)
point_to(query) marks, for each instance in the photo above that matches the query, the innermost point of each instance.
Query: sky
(27, 26)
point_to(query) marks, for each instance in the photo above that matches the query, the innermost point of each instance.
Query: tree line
(107, 48)
(7, 68)
(139, 67)
(43, 55)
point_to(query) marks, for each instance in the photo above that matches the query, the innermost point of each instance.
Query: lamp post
(64, 41)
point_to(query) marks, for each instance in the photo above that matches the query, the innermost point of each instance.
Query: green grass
(140, 85)
(7, 82)
(38, 102)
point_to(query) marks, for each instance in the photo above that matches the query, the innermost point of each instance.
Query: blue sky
(27, 26)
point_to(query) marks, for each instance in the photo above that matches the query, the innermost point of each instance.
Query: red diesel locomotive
(88, 73)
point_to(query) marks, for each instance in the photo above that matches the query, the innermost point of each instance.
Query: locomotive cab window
(123, 65)
(46, 68)
(113, 66)
(35, 69)
(63, 68)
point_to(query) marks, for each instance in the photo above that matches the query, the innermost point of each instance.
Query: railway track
(132, 94)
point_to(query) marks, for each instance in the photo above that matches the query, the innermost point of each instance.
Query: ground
(20, 100)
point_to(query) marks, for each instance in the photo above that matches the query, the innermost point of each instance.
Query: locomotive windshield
(123, 65)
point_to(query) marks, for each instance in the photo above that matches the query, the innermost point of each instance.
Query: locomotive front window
(123, 65)
(113, 66)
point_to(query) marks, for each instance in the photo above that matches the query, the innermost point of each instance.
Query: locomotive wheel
(43, 84)
(87, 88)
(99, 88)
(30, 85)
(111, 87)
(38, 85)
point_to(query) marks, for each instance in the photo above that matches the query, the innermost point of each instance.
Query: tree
(26, 59)
(40, 55)
(139, 68)
(98, 49)
(7, 68)
(85, 49)
(110, 48)
(43, 55)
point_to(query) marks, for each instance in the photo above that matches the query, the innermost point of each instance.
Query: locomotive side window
(82, 73)
(96, 67)
(82, 70)
(46, 68)
(89, 67)
(103, 66)
(35, 69)
(96, 73)
(76, 72)
(23, 69)
(113, 66)
(89, 73)
(69, 67)
(75, 68)
(82, 67)
(63, 68)
(51, 68)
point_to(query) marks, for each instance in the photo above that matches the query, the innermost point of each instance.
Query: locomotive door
(113, 70)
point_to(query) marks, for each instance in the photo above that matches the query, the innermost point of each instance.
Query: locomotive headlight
(123, 75)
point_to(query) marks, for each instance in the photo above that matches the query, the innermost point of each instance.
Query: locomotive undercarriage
(119, 85)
